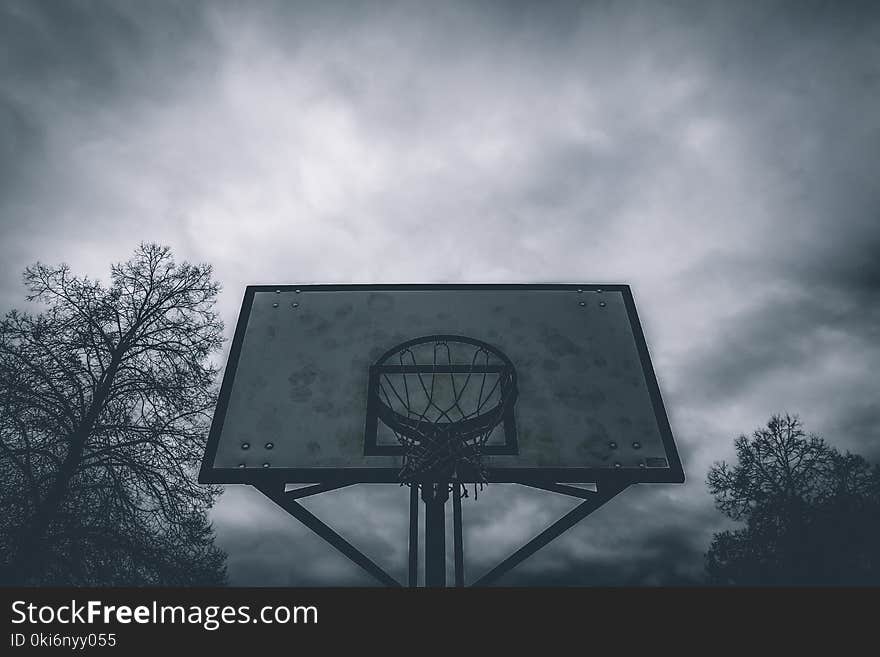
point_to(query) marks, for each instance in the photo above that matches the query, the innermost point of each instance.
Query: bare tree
(105, 399)
(811, 514)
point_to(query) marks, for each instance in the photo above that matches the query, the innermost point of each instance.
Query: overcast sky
(721, 158)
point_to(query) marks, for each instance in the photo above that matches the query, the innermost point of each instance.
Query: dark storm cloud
(859, 420)
(782, 332)
(71, 72)
(97, 49)
(20, 143)
(721, 157)
(660, 566)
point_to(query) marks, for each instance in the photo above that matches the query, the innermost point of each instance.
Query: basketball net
(444, 411)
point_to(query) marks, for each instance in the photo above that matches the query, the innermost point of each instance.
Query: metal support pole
(414, 536)
(435, 496)
(456, 534)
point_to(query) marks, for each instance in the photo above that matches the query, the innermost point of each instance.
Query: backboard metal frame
(670, 472)
(609, 481)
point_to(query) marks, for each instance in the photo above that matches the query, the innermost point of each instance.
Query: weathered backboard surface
(293, 405)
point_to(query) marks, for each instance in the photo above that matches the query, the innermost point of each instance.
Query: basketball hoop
(443, 396)
(442, 411)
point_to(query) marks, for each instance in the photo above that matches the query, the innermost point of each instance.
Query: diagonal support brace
(562, 525)
(308, 491)
(314, 523)
(573, 491)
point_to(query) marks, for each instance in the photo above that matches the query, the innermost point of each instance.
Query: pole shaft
(456, 534)
(435, 496)
(414, 536)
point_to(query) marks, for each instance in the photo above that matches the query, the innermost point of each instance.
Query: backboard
(300, 401)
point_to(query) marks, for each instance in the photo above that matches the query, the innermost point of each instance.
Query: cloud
(719, 157)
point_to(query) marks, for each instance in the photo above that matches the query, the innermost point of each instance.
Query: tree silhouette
(105, 399)
(811, 514)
